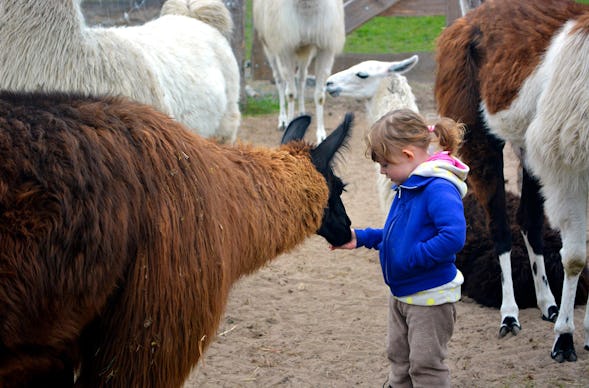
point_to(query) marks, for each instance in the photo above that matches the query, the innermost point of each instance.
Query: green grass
(380, 35)
(261, 105)
(395, 34)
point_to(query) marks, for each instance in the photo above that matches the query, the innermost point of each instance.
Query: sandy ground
(317, 318)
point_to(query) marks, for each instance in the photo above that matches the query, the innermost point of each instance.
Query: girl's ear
(408, 153)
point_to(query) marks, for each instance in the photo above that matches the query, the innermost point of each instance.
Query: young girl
(424, 230)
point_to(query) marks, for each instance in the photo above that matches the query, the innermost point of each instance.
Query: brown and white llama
(516, 71)
(121, 234)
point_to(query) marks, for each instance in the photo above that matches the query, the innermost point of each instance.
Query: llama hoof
(281, 127)
(552, 314)
(510, 324)
(564, 349)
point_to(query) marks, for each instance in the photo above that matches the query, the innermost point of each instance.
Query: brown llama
(500, 71)
(121, 234)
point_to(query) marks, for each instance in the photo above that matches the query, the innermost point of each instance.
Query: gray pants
(417, 344)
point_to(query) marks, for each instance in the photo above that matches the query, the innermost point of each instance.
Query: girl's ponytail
(449, 134)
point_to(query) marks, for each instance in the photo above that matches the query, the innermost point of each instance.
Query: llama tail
(456, 59)
(211, 12)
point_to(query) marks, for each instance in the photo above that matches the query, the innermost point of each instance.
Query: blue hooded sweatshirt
(424, 229)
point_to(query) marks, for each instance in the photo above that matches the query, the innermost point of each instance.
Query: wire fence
(125, 3)
(120, 12)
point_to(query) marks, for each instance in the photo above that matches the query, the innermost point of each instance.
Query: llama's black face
(335, 226)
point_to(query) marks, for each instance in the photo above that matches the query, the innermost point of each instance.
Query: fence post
(237, 9)
(459, 8)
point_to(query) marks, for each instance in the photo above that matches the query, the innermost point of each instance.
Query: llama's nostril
(333, 91)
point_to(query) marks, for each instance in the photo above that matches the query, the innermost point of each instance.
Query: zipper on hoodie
(386, 267)
(389, 230)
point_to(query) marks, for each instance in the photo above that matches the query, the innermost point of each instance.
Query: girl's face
(399, 169)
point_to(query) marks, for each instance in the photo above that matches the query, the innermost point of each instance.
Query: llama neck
(280, 205)
(393, 93)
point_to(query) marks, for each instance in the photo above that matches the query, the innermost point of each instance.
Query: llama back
(558, 138)
(211, 12)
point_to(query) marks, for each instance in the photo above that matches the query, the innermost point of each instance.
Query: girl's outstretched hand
(349, 245)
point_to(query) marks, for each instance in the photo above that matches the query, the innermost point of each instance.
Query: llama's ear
(404, 66)
(296, 129)
(323, 154)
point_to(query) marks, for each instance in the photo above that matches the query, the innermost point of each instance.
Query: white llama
(383, 87)
(293, 33)
(182, 65)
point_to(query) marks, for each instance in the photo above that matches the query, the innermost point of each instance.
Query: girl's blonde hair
(400, 128)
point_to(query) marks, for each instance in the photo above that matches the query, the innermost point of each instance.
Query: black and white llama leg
(531, 220)
(573, 260)
(566, 207)
(509, 309)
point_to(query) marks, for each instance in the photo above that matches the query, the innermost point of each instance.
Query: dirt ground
(317, 318)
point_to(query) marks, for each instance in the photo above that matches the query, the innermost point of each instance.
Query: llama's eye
(362, 74)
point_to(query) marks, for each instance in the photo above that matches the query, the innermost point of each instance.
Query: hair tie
(431, 128)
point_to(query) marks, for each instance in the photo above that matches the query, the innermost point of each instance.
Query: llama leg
(323, 65)
(530, 217)
(488, 183)
(287, 69)
(563, 348)
(302, 71)
(280, 88)
(509, 309)
(230, 122)
(566, 207)
(491, 188)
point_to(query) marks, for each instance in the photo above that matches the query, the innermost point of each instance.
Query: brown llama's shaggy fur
(480, 267)
(121, 234)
